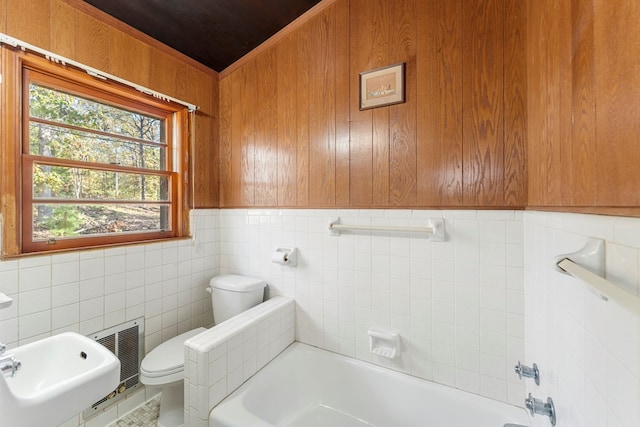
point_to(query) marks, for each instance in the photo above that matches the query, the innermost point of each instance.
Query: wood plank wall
(76, 30)
(583, 105)
(292, 135)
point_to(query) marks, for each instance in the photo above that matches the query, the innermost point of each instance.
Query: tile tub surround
(458, 305)
(91, 290)
(588, 350)
(220, 359)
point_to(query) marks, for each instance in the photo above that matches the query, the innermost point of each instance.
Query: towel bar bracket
(591, 257)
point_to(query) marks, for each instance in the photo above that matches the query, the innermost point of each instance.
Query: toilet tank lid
(237, 283)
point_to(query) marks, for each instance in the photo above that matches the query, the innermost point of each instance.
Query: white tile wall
(588, 350)
(88, 291)
(220, 359)
(458, 305)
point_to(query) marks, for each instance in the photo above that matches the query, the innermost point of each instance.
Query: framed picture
(382, 86)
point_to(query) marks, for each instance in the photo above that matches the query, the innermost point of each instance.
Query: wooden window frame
(15, 183)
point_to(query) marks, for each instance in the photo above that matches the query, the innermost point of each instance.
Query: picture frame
(382, 86)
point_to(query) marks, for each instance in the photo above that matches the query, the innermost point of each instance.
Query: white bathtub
(308, 387)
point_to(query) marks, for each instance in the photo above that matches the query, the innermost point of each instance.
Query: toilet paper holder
(285, 256)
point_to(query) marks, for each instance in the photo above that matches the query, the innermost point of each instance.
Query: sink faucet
(8, 364)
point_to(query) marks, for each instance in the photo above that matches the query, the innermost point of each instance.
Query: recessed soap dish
(382, 343)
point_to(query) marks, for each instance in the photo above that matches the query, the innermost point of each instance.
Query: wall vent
(126, 341)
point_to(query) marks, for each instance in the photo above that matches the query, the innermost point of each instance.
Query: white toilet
(164, 365)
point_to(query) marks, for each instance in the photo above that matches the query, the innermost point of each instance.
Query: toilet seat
(165, 363)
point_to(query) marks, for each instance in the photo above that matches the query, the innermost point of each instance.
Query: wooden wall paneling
(266, 130)
(515, 96)
(303, 52)
(242, 142)
(226, 138)
(214, 137)
(129, 58)
(617, 77)
(564, 164)
(204, 143)
(439, 106)
(535, 98)
(63, 29)
(482, 108)
(92, 42)
(583, 133)
(342, 102)
(402, 117)
(322, 87)
(287, 71)
(3, 16)
(381, 29)
(361, 146)
(163, 73)
(543, 47)
(9, 150)
(29, 21)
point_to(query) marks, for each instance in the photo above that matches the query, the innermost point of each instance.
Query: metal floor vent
(126, 341)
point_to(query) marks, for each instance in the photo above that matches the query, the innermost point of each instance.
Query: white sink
(59, 377)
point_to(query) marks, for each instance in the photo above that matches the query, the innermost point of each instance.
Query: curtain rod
(6, 39)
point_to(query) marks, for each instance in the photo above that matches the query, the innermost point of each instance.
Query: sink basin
(60, 376)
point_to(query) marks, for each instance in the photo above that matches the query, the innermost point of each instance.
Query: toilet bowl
(164, 365)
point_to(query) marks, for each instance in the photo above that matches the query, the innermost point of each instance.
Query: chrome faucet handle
(9, 365)
(3, 348)
(537, 406)
(527, 372)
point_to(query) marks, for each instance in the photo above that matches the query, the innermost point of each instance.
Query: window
(99, 163)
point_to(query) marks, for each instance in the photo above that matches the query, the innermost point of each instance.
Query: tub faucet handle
(3, 348)
(528, 372)
(537, 406)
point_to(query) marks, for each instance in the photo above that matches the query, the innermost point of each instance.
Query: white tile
(65, 272)
(622, 266)
(135, 278)
(65, 294)
(91, 268)
(115, 283)
(627, 232)
(34, 324)
(114, 302)
(65, 316)
(33, 278)
(34, 261)
(91, 288)
(493, 321)
(493, 388)
(115, 264)
(91, 308)
(107, 417)
(622, 393)
(135, 260)
(130, 403)
(34, 301)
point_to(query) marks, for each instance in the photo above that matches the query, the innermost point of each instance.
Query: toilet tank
(232, 294)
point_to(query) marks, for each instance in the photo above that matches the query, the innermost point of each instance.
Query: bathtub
(308, 387)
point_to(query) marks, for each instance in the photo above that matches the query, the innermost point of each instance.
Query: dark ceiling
(215, 33)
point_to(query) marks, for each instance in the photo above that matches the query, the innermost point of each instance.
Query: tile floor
(145, 416)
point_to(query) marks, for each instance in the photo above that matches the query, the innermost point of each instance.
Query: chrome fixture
(537, 406)
(9, 365)
(3, 348)
(527, 372)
